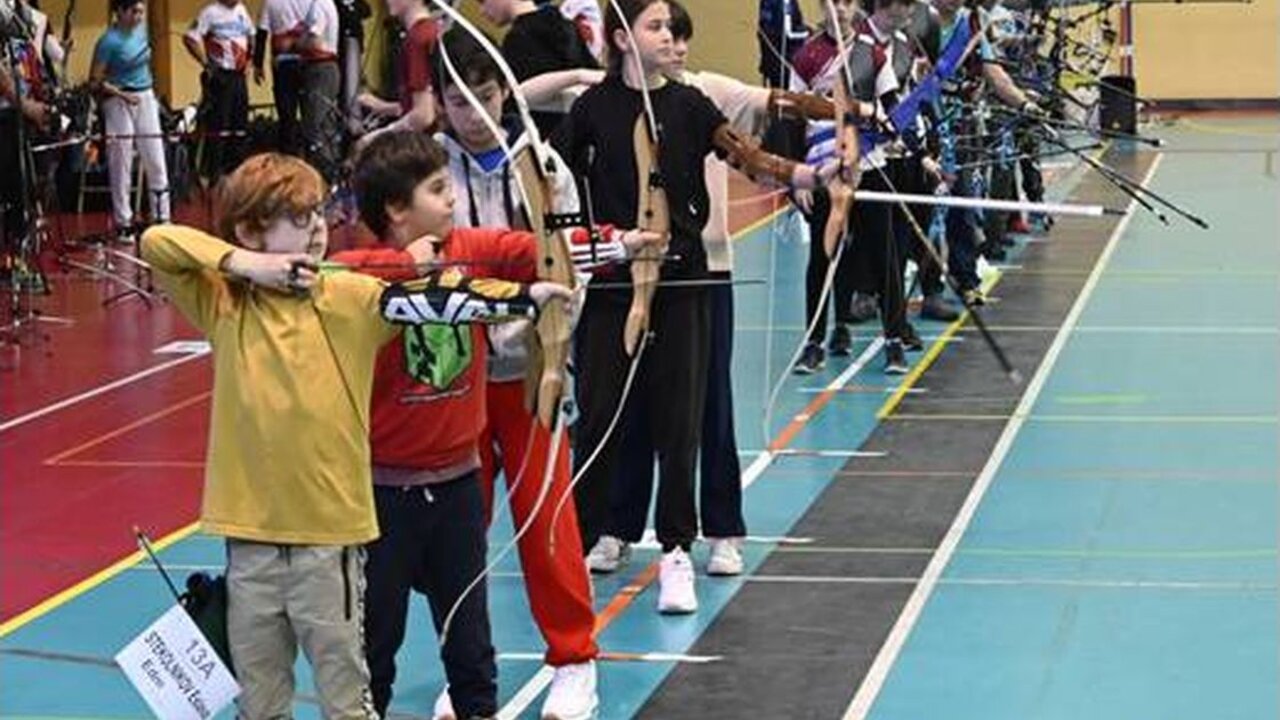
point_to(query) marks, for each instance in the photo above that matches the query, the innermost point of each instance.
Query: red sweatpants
(557, 583)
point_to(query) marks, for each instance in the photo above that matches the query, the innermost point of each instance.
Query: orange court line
(623, 599)
(180, 464)
(625, 596)
(57, 459)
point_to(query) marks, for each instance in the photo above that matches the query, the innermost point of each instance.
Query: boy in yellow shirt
(287, 480)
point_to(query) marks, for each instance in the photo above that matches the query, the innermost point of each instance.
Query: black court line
(800, 650)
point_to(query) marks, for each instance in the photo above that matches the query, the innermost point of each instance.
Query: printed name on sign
(176, 671)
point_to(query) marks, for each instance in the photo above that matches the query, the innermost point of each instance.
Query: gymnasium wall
(1209, 50)
(177, 75)
(1218, 50)
(1185, 51)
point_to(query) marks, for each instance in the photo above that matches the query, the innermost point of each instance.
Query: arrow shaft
(981, 203)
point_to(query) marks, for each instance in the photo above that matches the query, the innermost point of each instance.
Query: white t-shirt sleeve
(323, 23)
(200, 26)
(744, 106)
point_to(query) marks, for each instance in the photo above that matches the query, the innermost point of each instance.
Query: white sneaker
(726, 558)
(573, 693)
(444, 706)
(608, 554)
(676, 595)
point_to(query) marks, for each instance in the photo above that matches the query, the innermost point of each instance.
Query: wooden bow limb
(841, 187)
(652, 215)
(534, 172)
(549, 345)
(546, 369)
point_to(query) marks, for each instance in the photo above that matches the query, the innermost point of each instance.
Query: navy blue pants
(433, 541)
(962, 236)
(720, 489)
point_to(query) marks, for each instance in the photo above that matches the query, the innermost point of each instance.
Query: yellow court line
(91, 582)
(757, 224)
(125, 563)
(930, 355)
(950, 417)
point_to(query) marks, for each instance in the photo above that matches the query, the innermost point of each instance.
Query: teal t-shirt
(127, 57)
(984, 49)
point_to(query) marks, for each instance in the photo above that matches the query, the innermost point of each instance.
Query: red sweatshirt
(429, 385)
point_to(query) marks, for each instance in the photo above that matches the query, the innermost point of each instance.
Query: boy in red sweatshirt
(427, 416)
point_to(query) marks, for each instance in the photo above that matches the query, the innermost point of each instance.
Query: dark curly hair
(387, 171)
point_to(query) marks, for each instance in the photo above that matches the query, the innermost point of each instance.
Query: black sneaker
(841, 342)
(994, 251)
(895, 358)
(811, 360)
(864, 308)
(911, 339)
(1041, 223)
(936, 307)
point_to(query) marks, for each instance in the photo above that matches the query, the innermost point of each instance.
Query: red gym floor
(99, 433)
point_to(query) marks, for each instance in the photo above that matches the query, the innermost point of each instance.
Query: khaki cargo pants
(283, 596)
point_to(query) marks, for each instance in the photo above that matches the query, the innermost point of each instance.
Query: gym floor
(1097, 541)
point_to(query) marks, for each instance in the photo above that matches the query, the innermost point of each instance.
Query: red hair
(264, 188)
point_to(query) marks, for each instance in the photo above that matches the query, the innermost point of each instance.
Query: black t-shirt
(544, 41)
(597, 141)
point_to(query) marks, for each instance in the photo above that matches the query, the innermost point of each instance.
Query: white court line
(1181, 329)
(178, 567)
(101, 389)
(800, 452)
(1165, 330)
(869, 389)
(608, 656)
(1101, 584)
(875, 678)
(649, 540)
(530, 691)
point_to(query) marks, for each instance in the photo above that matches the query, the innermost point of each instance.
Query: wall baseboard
(1216, 103)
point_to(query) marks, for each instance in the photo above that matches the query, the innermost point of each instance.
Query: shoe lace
(679, 563)
(605, 547)
(727, 549)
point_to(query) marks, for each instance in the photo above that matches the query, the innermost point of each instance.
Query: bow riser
(840, 191)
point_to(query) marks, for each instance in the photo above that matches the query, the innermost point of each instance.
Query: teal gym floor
(1099, 541)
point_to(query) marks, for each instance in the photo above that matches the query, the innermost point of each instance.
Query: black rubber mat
(801, 633)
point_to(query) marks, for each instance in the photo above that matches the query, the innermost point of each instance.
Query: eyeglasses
(307, 218)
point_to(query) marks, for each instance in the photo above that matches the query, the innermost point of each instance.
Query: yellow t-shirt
(288, 458)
